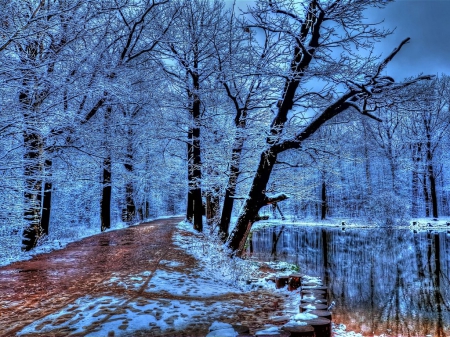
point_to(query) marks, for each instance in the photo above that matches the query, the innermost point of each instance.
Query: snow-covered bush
(215, 257)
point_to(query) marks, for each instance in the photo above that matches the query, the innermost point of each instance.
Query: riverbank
(413, 224)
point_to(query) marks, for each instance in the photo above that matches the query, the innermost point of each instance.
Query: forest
(116, 111)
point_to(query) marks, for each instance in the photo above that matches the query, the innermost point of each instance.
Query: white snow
(304, 316)
(97, 316)
(340, 330)
(295, 323)
(224, 332)
(215, 259)
(268, 331)
(219, 326)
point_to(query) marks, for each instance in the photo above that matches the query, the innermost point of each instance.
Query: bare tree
(312, 32)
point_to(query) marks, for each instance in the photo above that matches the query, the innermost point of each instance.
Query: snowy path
(133, 281)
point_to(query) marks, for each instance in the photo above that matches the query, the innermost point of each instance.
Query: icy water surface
(384, 281)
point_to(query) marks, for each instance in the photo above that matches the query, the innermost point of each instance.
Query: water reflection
(384, 281)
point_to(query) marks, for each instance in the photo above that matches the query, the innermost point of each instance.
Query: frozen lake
(383, 280)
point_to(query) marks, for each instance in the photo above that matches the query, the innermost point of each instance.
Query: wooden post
(322, 326)
(321, 313)
(281, 281)
(294, 281)
(300, 330)
(313, 293)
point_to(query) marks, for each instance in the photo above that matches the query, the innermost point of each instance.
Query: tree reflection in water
(383, 280)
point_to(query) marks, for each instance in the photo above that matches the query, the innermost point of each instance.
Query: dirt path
(116, 283)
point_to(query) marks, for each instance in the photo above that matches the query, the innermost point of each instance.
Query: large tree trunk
(197, 173)
(253, 203)
(33, 171)
(47, 202)
(191, 185)
(212, 207)
(105, 202)
(230, 191)
(194, 210)
(324, 201)
(130, 209)
(433, 194)
(432, 177)
(196, 149)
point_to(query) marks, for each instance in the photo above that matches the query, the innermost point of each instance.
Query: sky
(426, 22)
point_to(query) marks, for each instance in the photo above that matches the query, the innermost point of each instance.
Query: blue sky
(427, 23)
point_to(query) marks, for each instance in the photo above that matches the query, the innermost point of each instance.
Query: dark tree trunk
(212, 207)
(105, 202)
(433, 193)
(196, 149)
(197, 174)
(194, 210)
(129, 188)
(130, 206)
(253, 203)
(234, 171)
(231, 187)
(432, 177)
(33, 171)
(227, 210)
(275, 239)
(47, 202)
(324, 201)
(190, 167)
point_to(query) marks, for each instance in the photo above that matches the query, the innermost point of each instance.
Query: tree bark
(253, 203)
(47, 202)
(105, 202)
(33, 171)
(433, 194)
(212, 207)
(197, 173)
(129, 188)
(432, 177)
(324, 202)
(196, 149)
(230, 191)
(191, 185)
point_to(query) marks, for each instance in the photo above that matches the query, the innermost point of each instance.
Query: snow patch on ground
(174, 283)
(98, 316)
(340, 330)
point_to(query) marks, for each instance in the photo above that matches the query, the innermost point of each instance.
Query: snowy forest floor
(137, 281)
